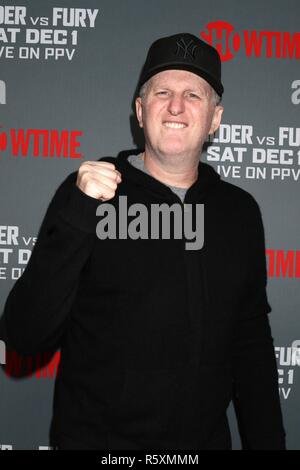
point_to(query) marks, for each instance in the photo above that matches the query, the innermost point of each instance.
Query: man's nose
(176, 105)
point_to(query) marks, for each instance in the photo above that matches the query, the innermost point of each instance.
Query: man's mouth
(174, 125)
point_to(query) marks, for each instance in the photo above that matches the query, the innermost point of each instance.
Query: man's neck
(179, 177)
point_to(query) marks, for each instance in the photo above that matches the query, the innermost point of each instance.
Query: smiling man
(177, 110)
(177, 107)
(156, 340)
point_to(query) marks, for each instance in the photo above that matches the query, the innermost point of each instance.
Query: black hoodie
(155, 339)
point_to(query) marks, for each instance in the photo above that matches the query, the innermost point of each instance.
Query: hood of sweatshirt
(207, 179)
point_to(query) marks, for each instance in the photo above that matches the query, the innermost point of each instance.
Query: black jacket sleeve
(255, 370)
(37, 308)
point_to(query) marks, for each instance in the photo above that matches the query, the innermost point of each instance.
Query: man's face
(177, 114)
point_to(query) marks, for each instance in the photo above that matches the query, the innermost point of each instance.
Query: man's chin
(173, 151)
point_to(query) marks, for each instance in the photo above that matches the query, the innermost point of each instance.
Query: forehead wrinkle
(165, 82)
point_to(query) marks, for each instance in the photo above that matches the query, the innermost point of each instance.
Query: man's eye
(193, 95)
(162, 93)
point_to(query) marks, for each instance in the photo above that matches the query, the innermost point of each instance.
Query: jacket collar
(207, 179)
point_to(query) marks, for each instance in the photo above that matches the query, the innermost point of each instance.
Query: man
(155, 339)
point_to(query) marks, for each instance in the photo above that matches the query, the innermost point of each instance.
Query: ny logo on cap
(186, 49)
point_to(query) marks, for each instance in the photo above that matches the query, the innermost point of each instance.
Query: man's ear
(216, 120)
(139, 110)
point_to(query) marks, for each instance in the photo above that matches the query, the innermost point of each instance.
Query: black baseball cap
(183, 51)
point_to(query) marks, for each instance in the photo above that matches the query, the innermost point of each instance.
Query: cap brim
(217, 85)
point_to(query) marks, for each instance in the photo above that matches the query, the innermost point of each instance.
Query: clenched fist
(98, 179)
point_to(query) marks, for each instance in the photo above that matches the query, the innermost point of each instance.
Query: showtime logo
(283, 263)
(222, 35)
(41, 365)
(41, 143)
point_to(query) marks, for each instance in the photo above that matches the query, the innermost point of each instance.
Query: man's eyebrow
(155, 87)
(198, 90)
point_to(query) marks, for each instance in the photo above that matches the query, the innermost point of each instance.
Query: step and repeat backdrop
(68, 74)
